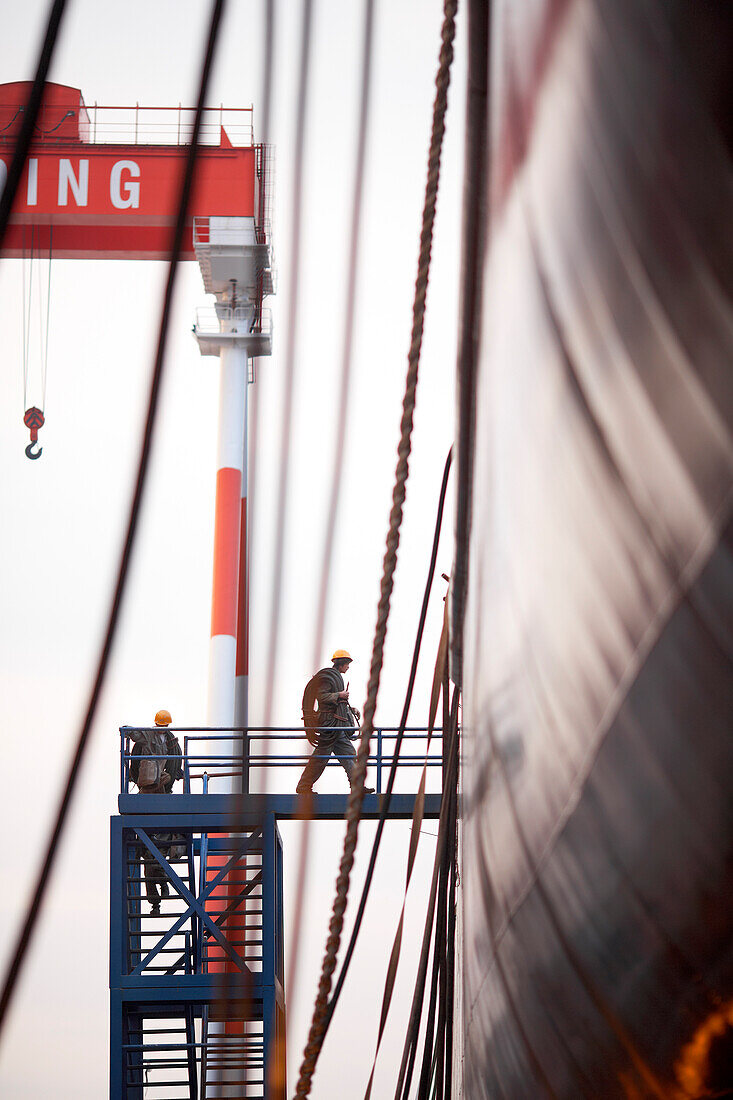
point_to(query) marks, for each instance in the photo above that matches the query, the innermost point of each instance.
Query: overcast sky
(64, 515)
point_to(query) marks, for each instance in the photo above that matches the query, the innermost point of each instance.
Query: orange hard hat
(163, 718)
(342, 655)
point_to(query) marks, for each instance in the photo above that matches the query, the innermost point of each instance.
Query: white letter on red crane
(67, 179)
(132, 190)
(32, 181)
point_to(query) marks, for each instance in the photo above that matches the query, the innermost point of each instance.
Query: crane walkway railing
(261, 754)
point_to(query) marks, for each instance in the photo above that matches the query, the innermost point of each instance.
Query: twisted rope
(356, 798)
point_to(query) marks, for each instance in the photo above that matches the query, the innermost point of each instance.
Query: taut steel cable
(290, 360)
(33, 910)
(30, 116)
(346, 372)
(398, 744)
(254, 424)
(353, 813)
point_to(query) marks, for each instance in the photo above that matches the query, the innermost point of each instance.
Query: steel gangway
(197, 984)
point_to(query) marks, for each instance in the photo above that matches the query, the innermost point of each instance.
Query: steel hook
(34, 419)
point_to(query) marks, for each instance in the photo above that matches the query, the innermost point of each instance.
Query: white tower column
(227, 535)
(241, 690)
(234, 257)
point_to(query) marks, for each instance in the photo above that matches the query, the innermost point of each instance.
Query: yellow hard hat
(163, 718)
(342, 655)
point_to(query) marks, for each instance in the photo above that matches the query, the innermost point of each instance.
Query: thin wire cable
(32, 912)
(356, 798)
(337, 479)
(48, 318)
(447, 815)
(39, 274)
(429, 1045)
(446, 1087)
(253, 436)
(439, 677)
(276, 1056)
(432, 1053)
(25, 356)
(289, 373)
(267, 82)
(346, 353)
(30, 116)
(384, 812)
(27, 320)
(474, 232)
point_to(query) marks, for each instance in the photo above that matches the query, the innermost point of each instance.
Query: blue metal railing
(264, 748)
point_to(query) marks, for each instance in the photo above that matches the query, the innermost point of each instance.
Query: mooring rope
(353, 812)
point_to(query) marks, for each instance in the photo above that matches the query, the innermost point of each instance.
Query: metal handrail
(242, 319)
(211, 764)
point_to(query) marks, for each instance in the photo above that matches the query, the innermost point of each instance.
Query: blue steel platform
(217, 810)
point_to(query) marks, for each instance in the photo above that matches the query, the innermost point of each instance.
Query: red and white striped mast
(241, 663)
(234, 256)
(231, 475)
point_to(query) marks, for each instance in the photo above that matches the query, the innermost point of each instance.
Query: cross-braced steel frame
(196, 938)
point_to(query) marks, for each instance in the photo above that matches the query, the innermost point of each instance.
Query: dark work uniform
(157, 743)
(335, 715)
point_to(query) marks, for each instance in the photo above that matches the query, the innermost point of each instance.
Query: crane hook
(34, 420)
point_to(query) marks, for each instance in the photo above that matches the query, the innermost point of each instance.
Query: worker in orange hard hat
(151, 773)
(330, 723)
(156, 764)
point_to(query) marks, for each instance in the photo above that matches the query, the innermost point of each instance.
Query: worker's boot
(367, 790)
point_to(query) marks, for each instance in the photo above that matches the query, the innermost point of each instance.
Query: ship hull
(598, 759)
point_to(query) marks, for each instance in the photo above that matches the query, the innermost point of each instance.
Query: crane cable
(34, 415)
(253, 433)
(387, 797)
(433, 1061)
(27, 313)
(352, 260)
(384, 811)
(30, 117)
(356, 798)
(439, 677)
(290, 359)
(446, 828)
(32, 912)
(44, 335)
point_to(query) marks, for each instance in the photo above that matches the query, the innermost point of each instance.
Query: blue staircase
(198, 1008)
(196, 913)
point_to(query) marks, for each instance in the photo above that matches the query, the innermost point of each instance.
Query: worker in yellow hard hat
(330, 723)
(342, 656)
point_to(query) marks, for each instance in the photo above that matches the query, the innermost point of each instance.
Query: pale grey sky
(63, 516)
